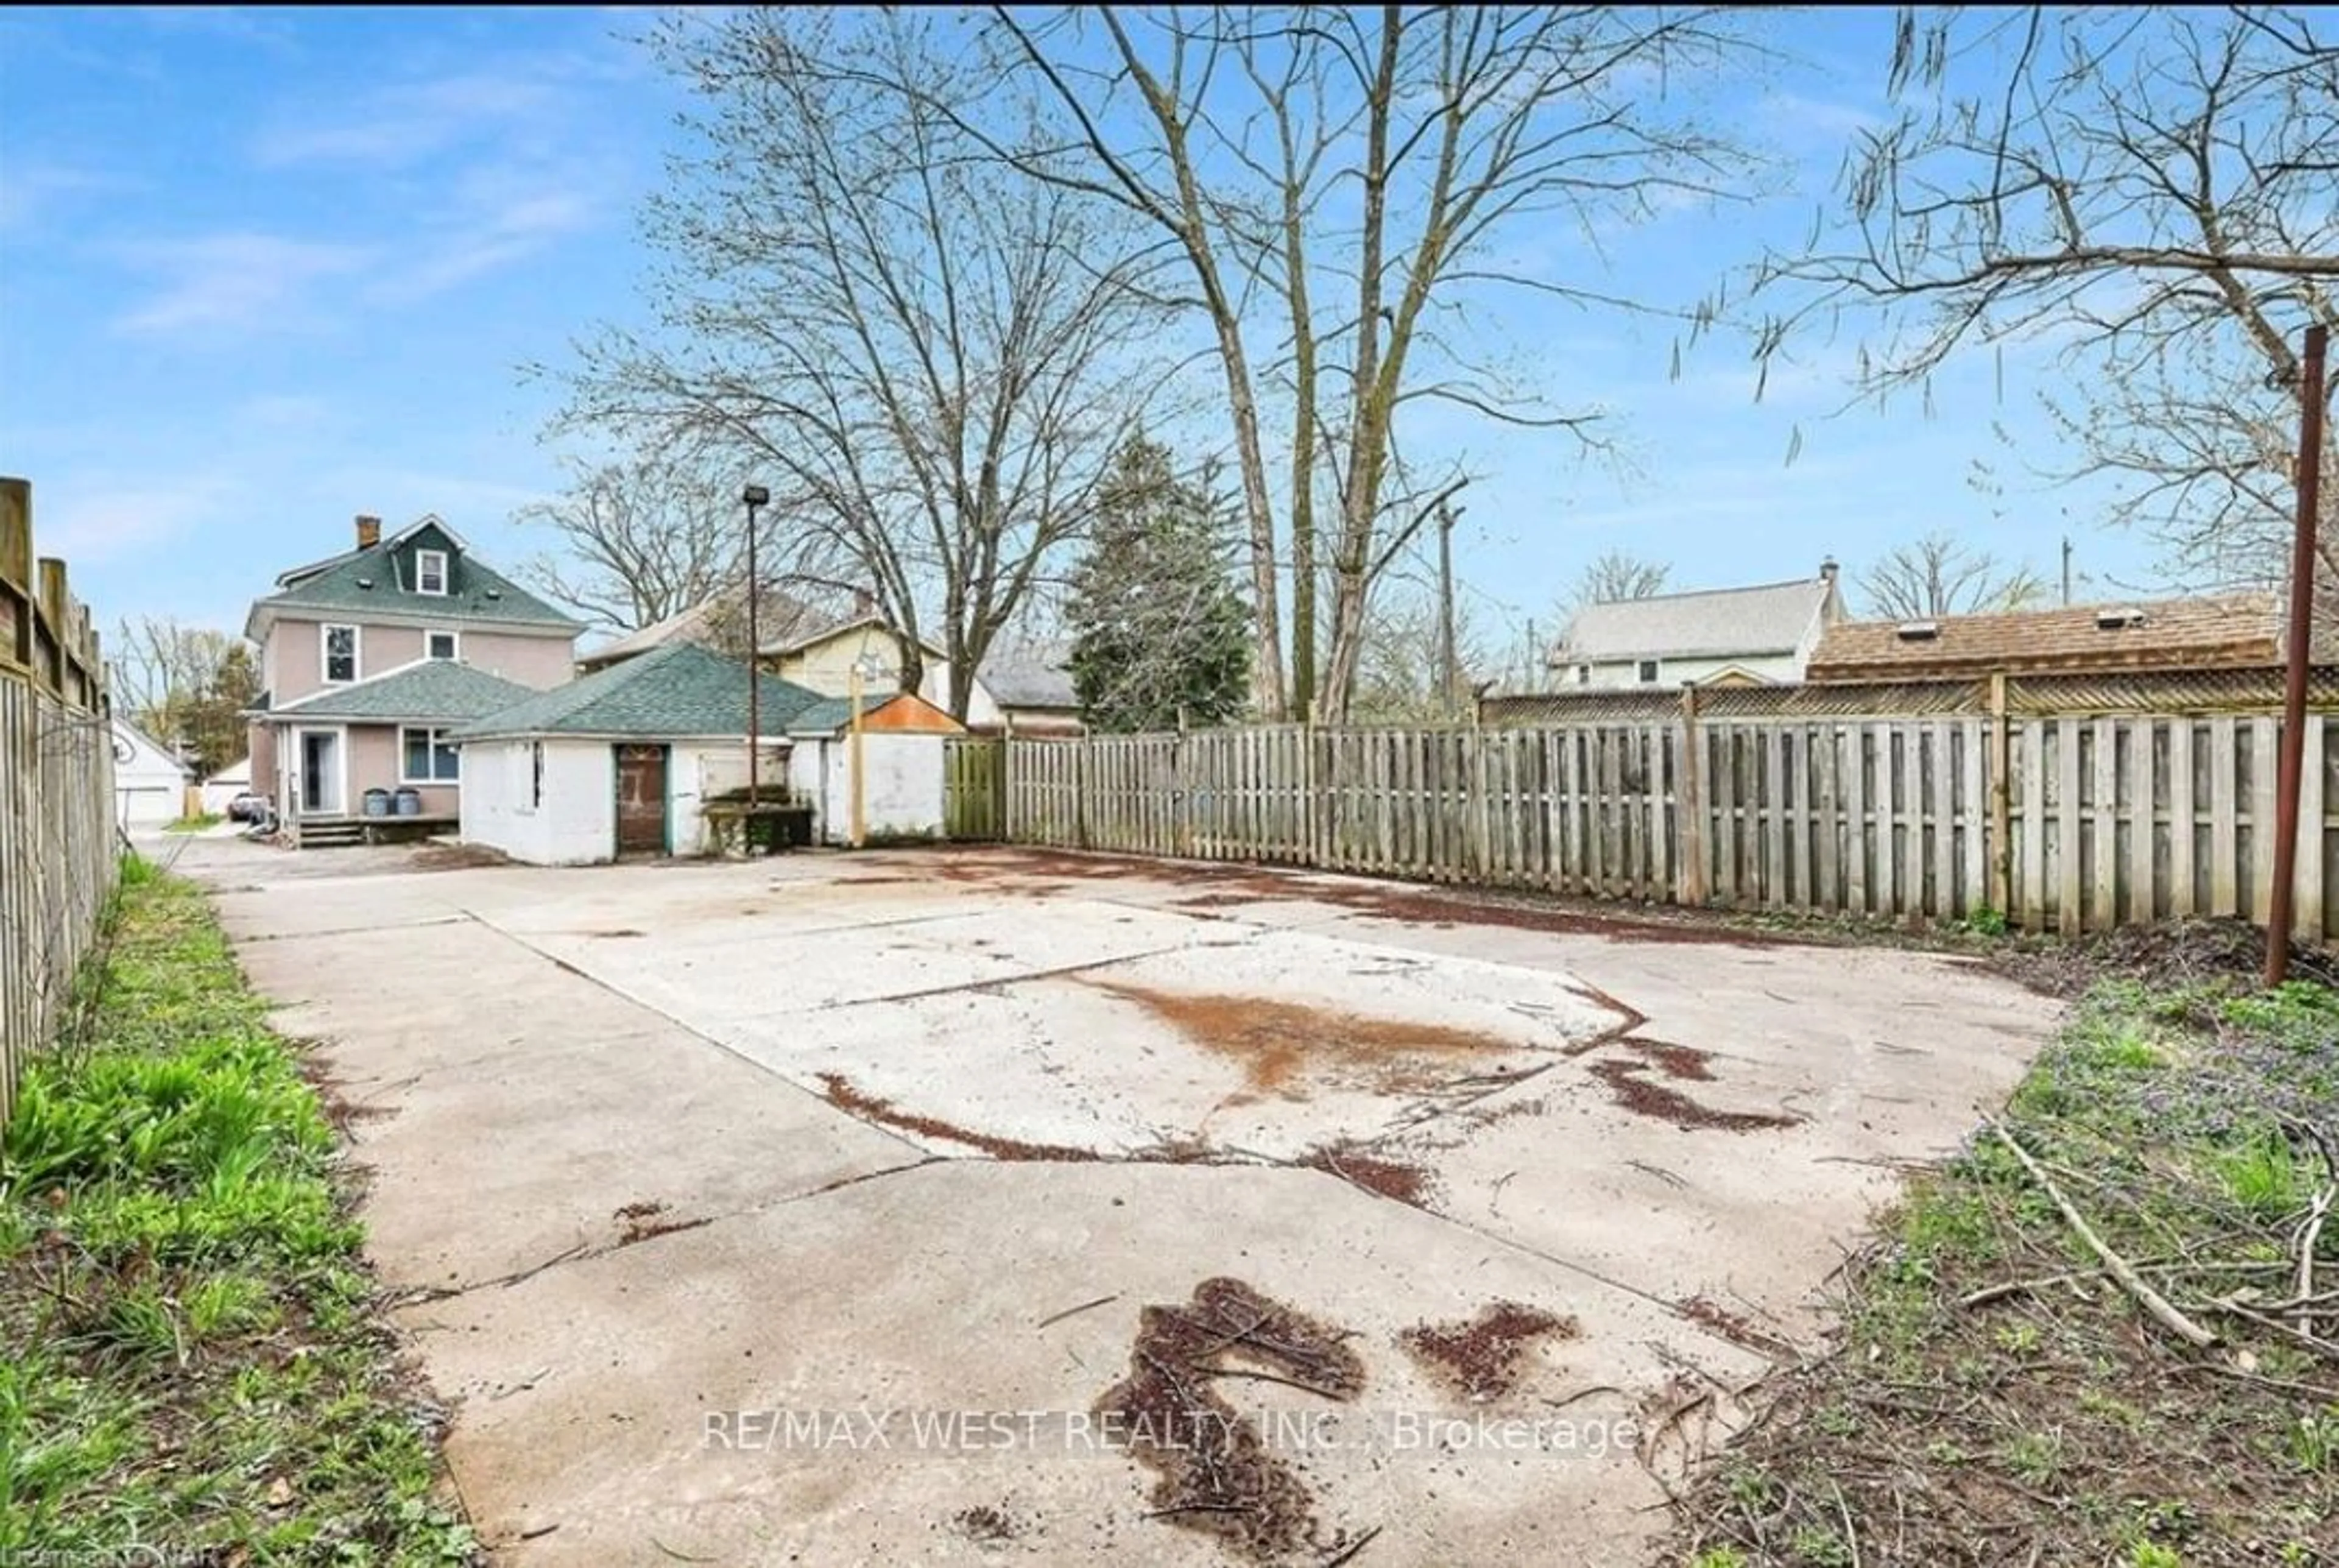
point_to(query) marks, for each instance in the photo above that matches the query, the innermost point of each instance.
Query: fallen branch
(2312, 1236)
(2151, 1300)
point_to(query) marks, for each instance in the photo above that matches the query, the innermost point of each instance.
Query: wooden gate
(974, 789)
(641, 800)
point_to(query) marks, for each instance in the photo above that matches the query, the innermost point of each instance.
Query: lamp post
(861, 671)
(754, 498)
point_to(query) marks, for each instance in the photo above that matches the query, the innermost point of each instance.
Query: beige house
(1024, 688)
(368, 659)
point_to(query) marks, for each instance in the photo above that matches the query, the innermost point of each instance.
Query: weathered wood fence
(57, 849)
(2075, 821)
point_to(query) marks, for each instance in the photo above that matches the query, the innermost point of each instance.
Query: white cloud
(99, 525)
(32, 191)
(407, 123)
(469, 241)
(236, 279)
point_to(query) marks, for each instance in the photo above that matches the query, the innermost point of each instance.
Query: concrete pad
(632, 1353)
(570, 1061)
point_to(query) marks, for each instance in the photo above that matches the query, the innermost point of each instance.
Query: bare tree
(1937, 576)
(643, 539)
(1332, 183)
(1400, 668)
(1616, 574)
(931, 358)
(187, 686)
(2151, 192)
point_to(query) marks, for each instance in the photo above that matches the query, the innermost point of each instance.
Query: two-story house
(1759, 636)
(369, 659)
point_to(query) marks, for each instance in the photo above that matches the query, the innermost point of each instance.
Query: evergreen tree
(1159, 631)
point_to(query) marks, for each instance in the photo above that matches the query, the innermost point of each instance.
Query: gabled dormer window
(431, 572)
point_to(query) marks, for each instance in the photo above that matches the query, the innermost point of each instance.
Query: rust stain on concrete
(1282, 1045)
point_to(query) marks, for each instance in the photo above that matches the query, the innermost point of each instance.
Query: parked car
(249, 806)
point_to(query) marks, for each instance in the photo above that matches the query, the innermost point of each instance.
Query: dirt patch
(640, 1221)
(2174, 952)
(1482, 1358)
(1277, 1042)
(343, 1112)
(1629, 1085)
(1213, 1473)
(986, 1525)
(1679, 1061)
(1390, 1179)
(841, 1094)
(456, 857)
(1734, 1327)
(1225, 886)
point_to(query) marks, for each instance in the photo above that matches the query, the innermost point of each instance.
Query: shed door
(641, 800)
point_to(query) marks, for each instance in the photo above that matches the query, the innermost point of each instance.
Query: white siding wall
(575, 824)
(902, 792)
(1671, 672)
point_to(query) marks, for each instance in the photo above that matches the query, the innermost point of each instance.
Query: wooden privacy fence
(2070, 821)
(57, 859)
(974, 792)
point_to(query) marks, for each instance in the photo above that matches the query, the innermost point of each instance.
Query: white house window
(426, 757)
(442, 644)
(431, 571)
(535, 775)
(1583, 674)
(1648, 671)
(340, 654)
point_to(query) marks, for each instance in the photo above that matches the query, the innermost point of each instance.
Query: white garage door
(148, 806)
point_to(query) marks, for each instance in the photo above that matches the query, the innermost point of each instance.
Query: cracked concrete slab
(649, 1355)
(650, 1143)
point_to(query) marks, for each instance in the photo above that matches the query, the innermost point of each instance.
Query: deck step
(330, 832)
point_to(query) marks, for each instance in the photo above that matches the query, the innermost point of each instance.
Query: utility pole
(1449, 674)
(2294, 694)
(2066, 571)
(754, 498)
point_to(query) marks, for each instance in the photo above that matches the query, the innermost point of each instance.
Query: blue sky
(259, 271)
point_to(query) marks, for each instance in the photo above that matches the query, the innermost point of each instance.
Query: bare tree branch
(929, 357)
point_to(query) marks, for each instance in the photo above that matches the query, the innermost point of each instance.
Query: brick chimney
(369, 531)
(864, 604)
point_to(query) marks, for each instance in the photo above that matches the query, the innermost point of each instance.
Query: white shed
(150, 784)
(621, 761)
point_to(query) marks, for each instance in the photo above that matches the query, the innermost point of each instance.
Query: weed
(1984, 921)
(193, 1353)
(2152, 1554)
(2315, 1441)
(1821, 1547)
(1719, 1557)
(2263, 1176)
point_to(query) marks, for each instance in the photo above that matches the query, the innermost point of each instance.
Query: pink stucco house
(370, 658)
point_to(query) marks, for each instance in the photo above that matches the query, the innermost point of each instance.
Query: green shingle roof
(380, 579)
(830, 714)
(678, 690)
(436, 691)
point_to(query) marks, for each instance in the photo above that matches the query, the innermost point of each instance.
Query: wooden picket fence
(57, 842)
(2075, 822)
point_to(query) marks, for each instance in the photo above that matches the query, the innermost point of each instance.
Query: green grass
(194, 1361)
(1994, 1395)
(195, 824)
